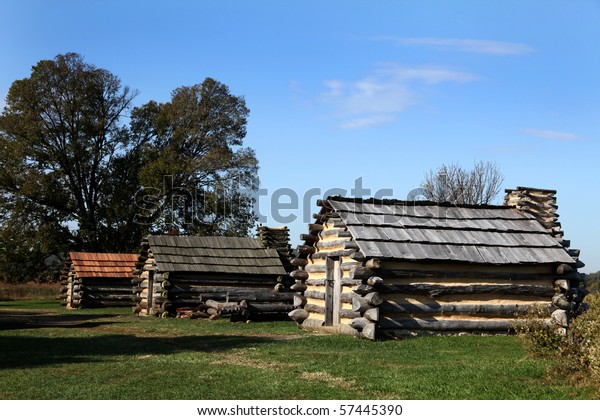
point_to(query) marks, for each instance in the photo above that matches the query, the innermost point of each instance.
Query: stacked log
(66, 290)
(366, 300)
(540, 203)
(278, 239)
(237, 303)
(445, 299)
(567, 302)
(328, 237)
(150, 286)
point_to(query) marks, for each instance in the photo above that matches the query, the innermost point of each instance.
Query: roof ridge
(392, 201)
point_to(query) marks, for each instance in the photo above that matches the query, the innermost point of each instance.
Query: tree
(453, 184)
(592, 281)
(74, 177)
(199, 178)
(27, 238)
(61, 132)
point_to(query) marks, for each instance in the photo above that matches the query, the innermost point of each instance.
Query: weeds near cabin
(584, 343)
(538, 335)
(29, 290)
(577, 353)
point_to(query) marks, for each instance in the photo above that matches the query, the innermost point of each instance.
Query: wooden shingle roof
(425, 231)
(214, 254)
(93, 264)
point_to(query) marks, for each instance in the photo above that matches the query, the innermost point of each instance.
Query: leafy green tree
(198, 175)
(26, 241)
(592, 281)
(61, 132)
(73, 176)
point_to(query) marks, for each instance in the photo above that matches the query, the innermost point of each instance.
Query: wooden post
(149, 310)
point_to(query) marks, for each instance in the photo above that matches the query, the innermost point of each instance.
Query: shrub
(578, 351)
(585, 337)
(541, 337)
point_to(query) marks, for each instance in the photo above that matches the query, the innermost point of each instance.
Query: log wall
(434, 298)
(327, 238)
(94, 292)
(207, 294)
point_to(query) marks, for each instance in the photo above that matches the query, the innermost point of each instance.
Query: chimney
(538, 202)
(278, 239)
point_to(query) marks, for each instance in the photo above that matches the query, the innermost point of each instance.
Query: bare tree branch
(453, 184)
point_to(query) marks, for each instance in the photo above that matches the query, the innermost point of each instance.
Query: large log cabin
(389, 268)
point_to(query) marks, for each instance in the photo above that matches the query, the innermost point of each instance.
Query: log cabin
(97, 280)
(220, 275)
(389, 268)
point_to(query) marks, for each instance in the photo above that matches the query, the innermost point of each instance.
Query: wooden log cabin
(389, 268)
(97, 280)
(222, 275)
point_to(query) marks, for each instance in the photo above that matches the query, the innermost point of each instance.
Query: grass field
(47, 352)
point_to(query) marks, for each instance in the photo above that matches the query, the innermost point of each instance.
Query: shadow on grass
(24, 352)
(26, 320)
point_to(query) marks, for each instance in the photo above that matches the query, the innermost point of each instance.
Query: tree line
(81, 168)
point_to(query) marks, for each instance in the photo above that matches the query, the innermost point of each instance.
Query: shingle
(495, 235)
(215, 254)
(92, 264)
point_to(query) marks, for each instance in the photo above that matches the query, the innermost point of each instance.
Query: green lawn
(47, 352)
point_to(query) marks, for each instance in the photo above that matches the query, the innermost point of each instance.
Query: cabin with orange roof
(98, 280)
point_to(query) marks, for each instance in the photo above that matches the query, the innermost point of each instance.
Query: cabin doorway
(333, 291)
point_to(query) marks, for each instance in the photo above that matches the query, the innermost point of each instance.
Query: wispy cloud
(390, 89)
(508, 150)
(468, 45)
(551, 134)
(366, 122)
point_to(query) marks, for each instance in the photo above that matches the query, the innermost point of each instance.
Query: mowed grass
(47, 352)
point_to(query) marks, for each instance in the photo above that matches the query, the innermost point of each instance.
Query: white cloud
(366, 122)
(429, 75)
(390, 89)
(551, 134)
(469, 45)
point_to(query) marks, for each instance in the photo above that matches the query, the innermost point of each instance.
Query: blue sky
(382, 90)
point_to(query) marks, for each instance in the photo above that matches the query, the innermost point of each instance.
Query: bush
(585, 337)
(540, 336)
(578, 351)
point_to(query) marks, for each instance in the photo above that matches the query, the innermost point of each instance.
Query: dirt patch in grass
(329, 379)
(239, 359)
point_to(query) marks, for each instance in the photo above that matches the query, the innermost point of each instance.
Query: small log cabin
(97, 280)
(389, 268)
(221, 275)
